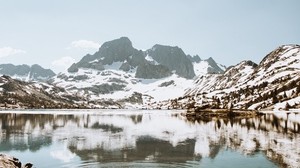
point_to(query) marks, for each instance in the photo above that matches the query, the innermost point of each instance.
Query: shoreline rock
(12, 162)
(220, 113)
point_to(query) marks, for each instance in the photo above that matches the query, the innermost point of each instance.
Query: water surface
(126, 138)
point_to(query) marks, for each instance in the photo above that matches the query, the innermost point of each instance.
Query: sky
(56, 33)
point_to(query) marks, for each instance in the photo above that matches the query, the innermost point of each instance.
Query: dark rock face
(195, 58)
(106, 88)
(150, 71)
(173, 58)
(125, 67)
(73, 68)
(35, 72)
(10, 69)
(119, 50)
(250, 63)
(135, 98)
(166, 84)
(166, 60)
(214, 68)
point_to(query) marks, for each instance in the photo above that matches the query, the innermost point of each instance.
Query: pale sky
(54, 33)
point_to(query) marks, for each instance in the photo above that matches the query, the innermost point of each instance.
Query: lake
(149, 138)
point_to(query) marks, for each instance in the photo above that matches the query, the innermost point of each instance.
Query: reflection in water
(149, 137)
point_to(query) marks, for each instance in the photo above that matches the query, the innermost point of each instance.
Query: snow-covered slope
(274, 83)
(234, 76)
(121, 87)
(127, 77)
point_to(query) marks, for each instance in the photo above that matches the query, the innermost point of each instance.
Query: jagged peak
(116, 42)
(210, 59)
(36, 66)
(214, 67)
(160, 46)
(194, 58)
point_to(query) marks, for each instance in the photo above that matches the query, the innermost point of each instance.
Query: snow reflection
(161, 136)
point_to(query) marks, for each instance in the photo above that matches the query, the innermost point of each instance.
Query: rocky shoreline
(12, 162)
(220, 113)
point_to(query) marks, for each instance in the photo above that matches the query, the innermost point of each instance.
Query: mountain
(121, 74)
(26, 73)
(208, 66)
(158, 62)
(272, 84)
(20, 94)
(119, 50)
(173, 58)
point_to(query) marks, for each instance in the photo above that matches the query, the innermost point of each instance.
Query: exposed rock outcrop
(150, 71)
(11, 162)
(173, 58)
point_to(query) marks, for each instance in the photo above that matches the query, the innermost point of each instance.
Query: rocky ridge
(158, 62)
(120, 76)
(272, 84)
(16, 94)
(26, 72)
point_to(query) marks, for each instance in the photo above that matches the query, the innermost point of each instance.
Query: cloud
(85, 44)
(8, 51)
(63, 62)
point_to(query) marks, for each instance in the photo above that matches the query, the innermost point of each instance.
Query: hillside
(272, 84)
(30, 95)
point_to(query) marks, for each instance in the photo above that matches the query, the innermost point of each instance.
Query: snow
(113, 66)
(150, 87)
(150, 59)
(96, 60)
(200, 68)
(246, 136)
(290, 102)
(145, 86)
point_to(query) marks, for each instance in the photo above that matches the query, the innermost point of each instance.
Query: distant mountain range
(120, 76)
(158, 62)
(26, 72)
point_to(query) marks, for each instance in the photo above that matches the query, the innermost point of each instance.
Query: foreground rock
(11, 162)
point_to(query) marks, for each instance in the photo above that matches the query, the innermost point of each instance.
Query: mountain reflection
(157, 136)
(147, 148)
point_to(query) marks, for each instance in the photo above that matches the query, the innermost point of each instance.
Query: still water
(126, 138)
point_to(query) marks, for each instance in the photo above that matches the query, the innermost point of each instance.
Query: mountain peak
(122, 41)
(214, 68)
(174, 58)
(194, 58)
(118, 50)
